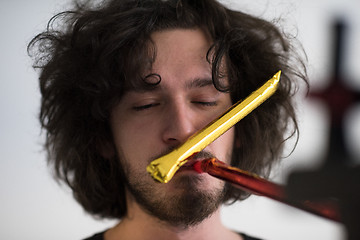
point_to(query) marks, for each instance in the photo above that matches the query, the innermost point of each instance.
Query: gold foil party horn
(164, 168)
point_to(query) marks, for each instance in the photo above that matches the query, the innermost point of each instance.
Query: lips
(189, 165)
(195, 158)
(190, 162)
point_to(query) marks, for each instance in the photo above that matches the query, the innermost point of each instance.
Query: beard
(188, 206)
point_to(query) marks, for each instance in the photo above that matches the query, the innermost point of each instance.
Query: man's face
(149, 123)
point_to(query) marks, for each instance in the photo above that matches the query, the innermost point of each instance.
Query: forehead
(181, 54)
(181, 41)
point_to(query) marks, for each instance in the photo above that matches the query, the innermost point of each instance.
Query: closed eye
(204, 103)
(145, 107)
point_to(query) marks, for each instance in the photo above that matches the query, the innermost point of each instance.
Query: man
(125, 82)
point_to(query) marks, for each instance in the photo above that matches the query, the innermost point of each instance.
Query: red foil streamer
(254, 184)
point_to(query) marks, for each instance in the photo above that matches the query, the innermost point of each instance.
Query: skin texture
(148, 123)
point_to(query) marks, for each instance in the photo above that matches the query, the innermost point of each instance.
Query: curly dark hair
(90, 56)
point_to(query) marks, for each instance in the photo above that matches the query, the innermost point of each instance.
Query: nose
(179, 125)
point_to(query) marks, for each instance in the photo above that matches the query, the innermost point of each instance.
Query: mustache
(203, 154)
(199, 155)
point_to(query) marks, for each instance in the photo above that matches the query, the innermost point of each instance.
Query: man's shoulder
(100, 236)
(246, 237)
(97, 236)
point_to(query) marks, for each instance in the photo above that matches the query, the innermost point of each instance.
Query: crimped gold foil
(164, 168)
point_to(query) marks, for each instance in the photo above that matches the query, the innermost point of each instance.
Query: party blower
(164, 168)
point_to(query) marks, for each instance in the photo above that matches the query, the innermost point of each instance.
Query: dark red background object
(338, 178)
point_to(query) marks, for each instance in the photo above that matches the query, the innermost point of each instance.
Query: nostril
(173, 141)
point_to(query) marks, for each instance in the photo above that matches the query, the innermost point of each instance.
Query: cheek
(134, 141)
(229, 138)
(223, 146)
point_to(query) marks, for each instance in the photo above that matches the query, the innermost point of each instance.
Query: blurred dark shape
(337, 179)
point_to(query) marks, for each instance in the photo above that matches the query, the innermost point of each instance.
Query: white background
(33, 206)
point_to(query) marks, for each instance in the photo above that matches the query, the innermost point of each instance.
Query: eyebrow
(195, 83)
(199, 82)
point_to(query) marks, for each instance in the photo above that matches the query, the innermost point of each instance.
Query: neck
(138, 224)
